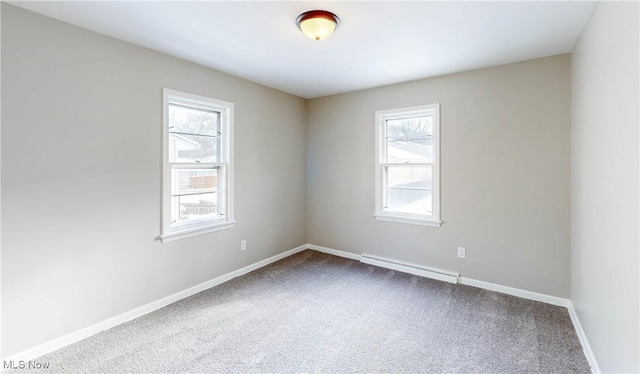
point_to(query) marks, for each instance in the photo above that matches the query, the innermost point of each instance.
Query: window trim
(380, 161)
(201, 227)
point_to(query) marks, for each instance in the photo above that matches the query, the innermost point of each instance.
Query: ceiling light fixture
(317, 24)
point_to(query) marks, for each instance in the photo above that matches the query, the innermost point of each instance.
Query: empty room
(320, 187)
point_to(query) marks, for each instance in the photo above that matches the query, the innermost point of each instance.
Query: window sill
(195, 231)
(409, 220)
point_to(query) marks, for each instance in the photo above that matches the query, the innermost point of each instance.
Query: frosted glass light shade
(317, 24)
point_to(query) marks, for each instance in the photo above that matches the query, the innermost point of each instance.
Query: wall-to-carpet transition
(314, 312)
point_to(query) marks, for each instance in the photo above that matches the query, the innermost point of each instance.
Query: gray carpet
(314, 312)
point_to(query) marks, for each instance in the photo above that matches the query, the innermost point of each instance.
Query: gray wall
(604, 175)
(81, 168)
(505, 157)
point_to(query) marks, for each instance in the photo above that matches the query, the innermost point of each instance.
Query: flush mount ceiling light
(317, 24)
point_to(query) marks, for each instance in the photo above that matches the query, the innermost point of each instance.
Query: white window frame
(225, 165)
(381, 162)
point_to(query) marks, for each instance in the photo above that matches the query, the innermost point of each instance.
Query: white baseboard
(423, 271)
(583, 340)
(334, 252)
(86, 332)
(530, 295)
(553, 300)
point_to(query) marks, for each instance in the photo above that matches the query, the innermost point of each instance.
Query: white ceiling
(377, 43)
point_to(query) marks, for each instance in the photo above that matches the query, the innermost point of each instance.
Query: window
(408, 165)
(197, 180)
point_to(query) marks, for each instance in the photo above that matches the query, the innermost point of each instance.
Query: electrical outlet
(243, 245)
(462, 253)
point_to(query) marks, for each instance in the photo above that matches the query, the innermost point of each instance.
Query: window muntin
(407, 165)
(197, 177)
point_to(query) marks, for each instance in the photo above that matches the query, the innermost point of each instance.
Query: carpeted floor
(314, 312)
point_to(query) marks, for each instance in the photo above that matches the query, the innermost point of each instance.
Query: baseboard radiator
(423, 271)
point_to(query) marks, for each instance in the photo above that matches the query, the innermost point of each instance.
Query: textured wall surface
(604, 185)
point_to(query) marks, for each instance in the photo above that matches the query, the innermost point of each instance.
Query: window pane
(193, 120)
(193, 148)
(193, 134)
(408, 189)
(188, 208)
(409, 201)
(193, 181)
(410, 139)
(194, 194)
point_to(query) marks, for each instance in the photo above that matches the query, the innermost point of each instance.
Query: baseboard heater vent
(423, 271)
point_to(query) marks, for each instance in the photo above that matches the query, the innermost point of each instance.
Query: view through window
(407, 168)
